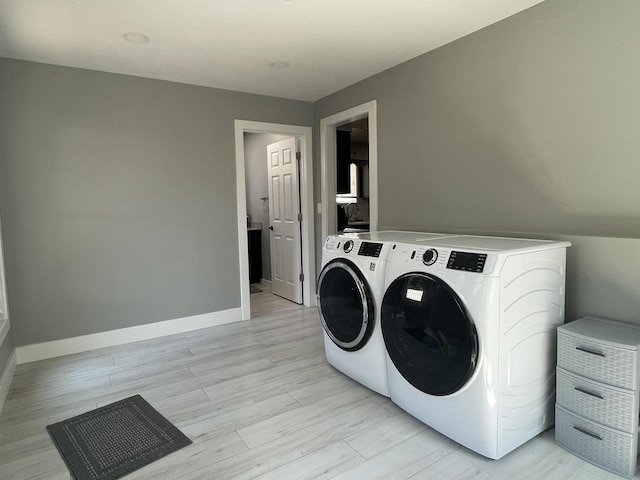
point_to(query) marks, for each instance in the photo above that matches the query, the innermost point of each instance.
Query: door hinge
(302, 277)
(299, 217)
(298, 155)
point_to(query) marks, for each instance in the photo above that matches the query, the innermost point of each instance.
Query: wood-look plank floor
(259, 401)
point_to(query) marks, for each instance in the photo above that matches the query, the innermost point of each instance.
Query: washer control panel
(353, 247)
(370, 249)
(430, 256)
(468, 262)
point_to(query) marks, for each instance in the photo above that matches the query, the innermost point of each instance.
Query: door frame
(306, 207)
(4, 306)
(328, 163)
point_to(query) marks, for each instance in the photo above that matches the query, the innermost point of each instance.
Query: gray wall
(118, 197)
(527, 127)
(603, 277)
(255, 156)
(118, 193)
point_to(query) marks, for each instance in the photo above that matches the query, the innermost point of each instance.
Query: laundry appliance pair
(461, 332)
(350, 289)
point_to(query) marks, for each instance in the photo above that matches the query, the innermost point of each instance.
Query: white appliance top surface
(600, 330)
(397, 236)
(473, 242)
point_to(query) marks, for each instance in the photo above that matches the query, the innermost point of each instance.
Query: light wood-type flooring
(259, 401)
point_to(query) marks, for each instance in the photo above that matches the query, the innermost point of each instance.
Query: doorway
(258, 209)
(329, 127)
(304, 134)
(352, 176)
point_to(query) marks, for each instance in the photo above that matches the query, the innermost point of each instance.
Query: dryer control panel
(441, 259)
(468, 262)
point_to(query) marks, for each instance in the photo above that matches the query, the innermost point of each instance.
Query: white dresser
(598, 394)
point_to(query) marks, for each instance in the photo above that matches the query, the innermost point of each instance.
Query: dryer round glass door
(345, 304)
(429, 336)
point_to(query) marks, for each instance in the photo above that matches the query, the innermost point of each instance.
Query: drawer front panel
(603, 363)
(612, 451)
(596, 402)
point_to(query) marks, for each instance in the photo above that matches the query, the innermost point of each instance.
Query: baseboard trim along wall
(85, 343)
(5, 380)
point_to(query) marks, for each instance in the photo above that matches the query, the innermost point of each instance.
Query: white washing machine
(349, 292)
(469, 325)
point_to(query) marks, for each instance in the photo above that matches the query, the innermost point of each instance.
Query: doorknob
(271, 228)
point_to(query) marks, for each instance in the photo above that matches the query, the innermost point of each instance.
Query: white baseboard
(7, 377)
(85, 343)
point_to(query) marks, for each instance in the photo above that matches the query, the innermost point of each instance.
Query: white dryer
(469, 326)
(349, 293)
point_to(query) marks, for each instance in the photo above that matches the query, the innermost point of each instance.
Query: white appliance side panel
(532, 296)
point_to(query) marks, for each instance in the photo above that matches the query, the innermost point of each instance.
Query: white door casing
(307, 206)
(328, 163)
(4, 308)
(4, 313)
(284, 223)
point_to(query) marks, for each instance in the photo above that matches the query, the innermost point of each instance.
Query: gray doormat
(114, 440)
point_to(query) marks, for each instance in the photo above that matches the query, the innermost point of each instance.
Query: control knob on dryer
(430, 256)
(348, 246)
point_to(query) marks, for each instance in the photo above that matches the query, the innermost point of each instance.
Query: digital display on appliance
(468, 262)
(369, 249)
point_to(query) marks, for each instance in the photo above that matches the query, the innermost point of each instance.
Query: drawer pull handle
(587, 392)
(586, 350)
(586, 432)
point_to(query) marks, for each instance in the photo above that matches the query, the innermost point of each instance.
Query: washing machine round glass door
(429, 336)
(345, 304)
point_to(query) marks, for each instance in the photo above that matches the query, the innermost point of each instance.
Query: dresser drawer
(600, 362)
(607, 448)
(612, 407)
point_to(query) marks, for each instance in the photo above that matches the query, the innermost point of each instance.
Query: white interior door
(284, 222)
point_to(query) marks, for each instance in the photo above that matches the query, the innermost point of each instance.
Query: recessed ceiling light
(135, 37)
(280, 65)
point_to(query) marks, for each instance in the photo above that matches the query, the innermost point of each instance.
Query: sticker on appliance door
(415, 295)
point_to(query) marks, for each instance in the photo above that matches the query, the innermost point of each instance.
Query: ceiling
(298, 49)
